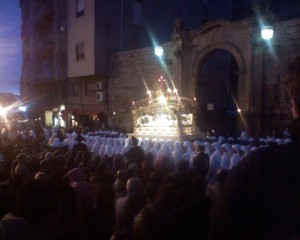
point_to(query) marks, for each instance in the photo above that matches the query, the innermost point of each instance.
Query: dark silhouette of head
(155, 221)
(36, 201)
(134, 141)
(221, 176)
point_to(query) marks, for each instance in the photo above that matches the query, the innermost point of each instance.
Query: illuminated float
(165, 115)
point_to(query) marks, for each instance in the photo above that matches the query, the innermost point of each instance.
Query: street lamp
(159, 51)
(3, 111)
(22, 108)
(267, 32)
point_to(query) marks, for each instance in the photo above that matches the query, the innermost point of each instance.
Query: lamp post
(267, 34)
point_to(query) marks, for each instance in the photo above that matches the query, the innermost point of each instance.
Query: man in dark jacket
(262, 197)
(135, 154)
(200, 160)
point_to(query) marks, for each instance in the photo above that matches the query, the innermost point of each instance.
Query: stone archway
(221, 114)
(231, 48)
(234, 38)
(216, 93)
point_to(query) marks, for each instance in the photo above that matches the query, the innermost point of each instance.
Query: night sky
(10, 46)
(10, 31)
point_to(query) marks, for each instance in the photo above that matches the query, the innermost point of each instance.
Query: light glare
(159, 51)
(3, 111)
(162, 100)
(267, 32)
(22, 108)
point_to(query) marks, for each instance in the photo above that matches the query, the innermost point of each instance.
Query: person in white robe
(236, 157)
(103, 147)
(47, 134)
(96, 146)
(67, 140)
(208, 148)
(126, 146)
(170, 144)
(154, 149)
(109, 147)
(122, 142)
(287, 140)
(214, 162)
(279, 141)
(221, 140)
(88, 141)
(50, 141)
(56, 143)
(163, 151)
(140, 143)
(226, 155)
(72, 141)
(146, 145)
(188, 152)
(244, 136)
(32, 134)
(117, 148)
(177, 154)
(253, 148)
(245, 149)
(230, 140)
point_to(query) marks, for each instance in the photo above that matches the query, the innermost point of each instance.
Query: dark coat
(262, 194)
(135, 154)
(201, 164)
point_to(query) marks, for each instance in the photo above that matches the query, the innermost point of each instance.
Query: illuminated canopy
(163, 112)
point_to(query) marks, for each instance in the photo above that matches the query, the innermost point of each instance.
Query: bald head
(134, 185)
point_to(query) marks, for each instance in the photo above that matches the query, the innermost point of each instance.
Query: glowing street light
(267, 32)
(22, 108)
(159, 51)
(3, 111)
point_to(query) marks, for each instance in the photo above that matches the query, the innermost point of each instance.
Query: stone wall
(278, 53)
(131, 73)
(262, 66)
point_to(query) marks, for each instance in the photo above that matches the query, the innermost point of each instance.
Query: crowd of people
(81, 185)
(74, 184)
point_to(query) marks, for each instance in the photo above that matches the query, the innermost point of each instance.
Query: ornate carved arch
(201, 56)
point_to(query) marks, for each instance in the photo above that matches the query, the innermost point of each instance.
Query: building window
(90, 89)
(100, 96)
(79, 51)
(79, 8)
(73, 90)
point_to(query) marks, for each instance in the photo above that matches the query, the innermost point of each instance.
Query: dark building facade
(43, 77)
(94, 56)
